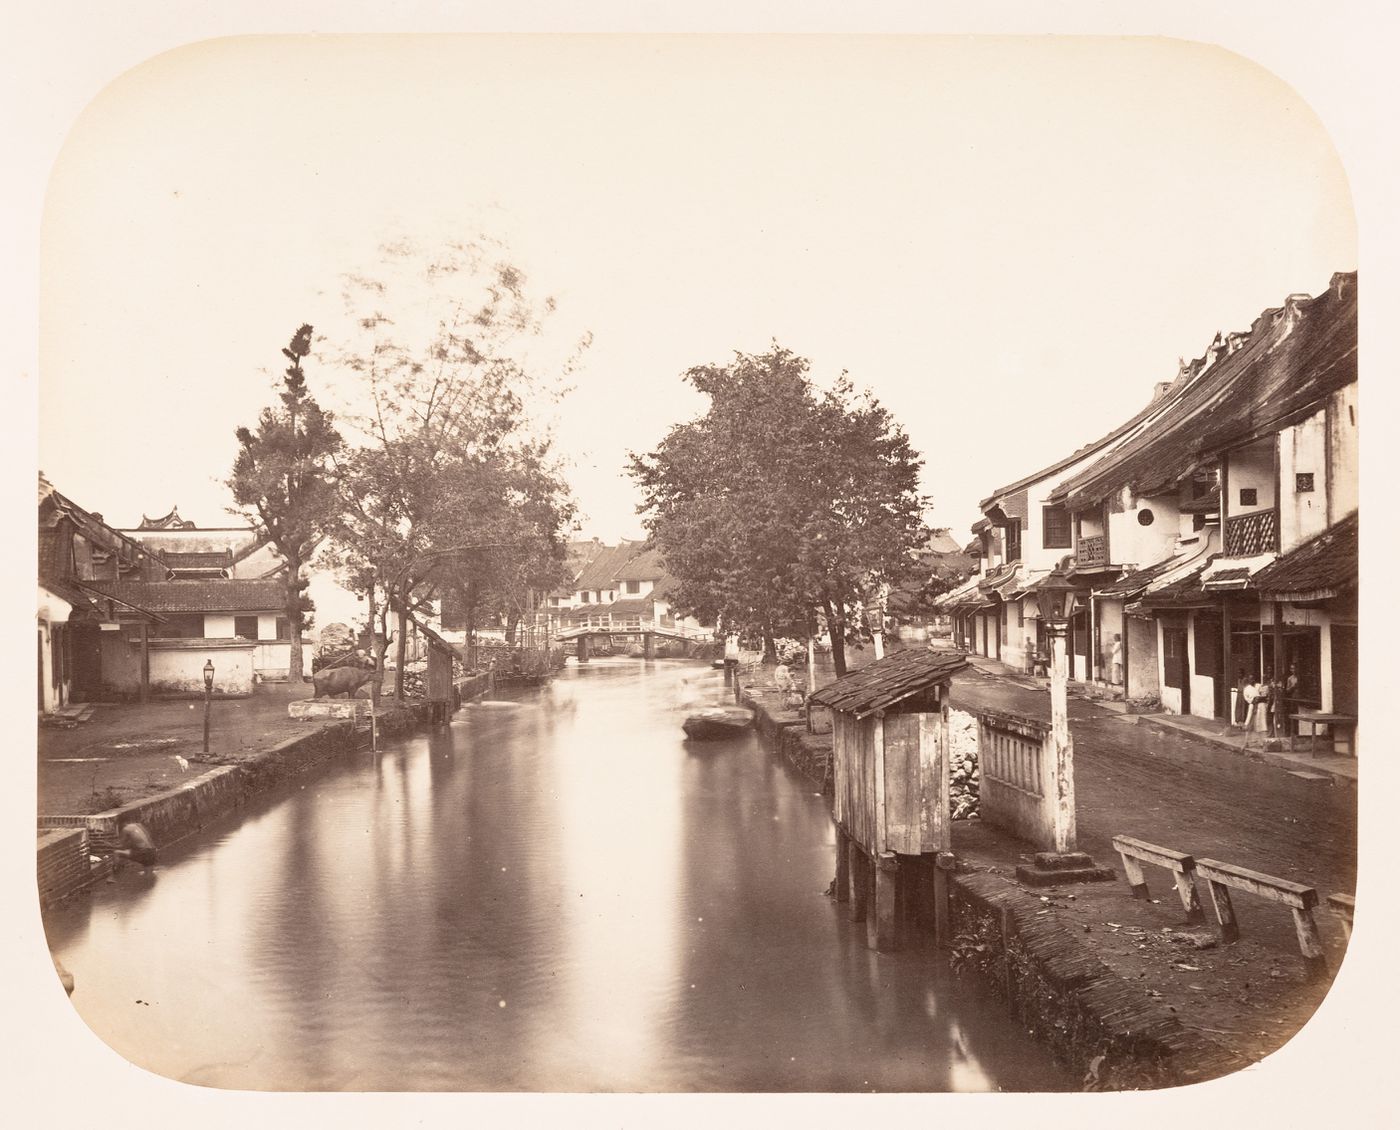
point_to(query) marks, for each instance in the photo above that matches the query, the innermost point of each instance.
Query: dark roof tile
(197, 596)
(890, 680)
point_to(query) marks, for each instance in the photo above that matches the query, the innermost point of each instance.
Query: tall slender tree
(281, 482)
(452, 480)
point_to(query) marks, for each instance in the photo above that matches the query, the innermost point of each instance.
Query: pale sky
(1008, 240)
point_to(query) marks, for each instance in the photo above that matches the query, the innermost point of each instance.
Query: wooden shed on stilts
(890, 770)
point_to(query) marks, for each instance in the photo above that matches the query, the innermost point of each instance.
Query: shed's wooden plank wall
(909, 795)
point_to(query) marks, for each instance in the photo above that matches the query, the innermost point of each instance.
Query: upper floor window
(584, 597)
(632, 587)
(1056, 527)
(1304, 482)
(245, 627)
(1249, 496)
(284, 628)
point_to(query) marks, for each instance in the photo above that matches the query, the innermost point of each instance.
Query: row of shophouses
(1211, 539)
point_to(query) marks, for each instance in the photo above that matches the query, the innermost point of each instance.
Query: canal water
(554, 893)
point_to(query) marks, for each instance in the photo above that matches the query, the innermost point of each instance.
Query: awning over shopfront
(1184, 592)
(1323, 567)
(1131, 584)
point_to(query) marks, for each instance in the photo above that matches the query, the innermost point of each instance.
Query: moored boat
(717, 722)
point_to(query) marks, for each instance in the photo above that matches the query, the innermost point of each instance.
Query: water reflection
(555, 894)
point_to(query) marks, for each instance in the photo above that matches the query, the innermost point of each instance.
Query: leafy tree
(451, 484)
(280, 481)
(783, 502)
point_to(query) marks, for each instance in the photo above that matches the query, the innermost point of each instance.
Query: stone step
(1037, 877)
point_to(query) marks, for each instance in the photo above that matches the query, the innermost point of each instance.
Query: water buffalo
(341, 680)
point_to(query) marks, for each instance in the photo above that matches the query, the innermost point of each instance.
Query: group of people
(1268, 701)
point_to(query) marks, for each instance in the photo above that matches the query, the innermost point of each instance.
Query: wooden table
(1339, 724)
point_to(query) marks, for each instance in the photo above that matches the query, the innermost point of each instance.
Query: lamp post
(1055, 600)
(208, 691)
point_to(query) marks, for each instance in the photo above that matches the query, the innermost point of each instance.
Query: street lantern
(208, 690)
(1054, 597)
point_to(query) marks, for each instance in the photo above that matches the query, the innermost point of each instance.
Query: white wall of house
(1014, 648)
(1130, 542)
(1302, 450)
(53, 610)
(1344, 494)
(1251, 468)
(177, 667)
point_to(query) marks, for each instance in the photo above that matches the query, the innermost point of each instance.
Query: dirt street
(1193, 796)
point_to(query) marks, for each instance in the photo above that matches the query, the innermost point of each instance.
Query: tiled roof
(890, 680)
(598, 574)
(1157, 404)
(1291, 361)
(627, 606)
(1327, 563)
(644, 566)
(197, 596)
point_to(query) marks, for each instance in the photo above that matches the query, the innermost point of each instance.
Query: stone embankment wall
(786, 733)
(67, 842)
(1096, 1022)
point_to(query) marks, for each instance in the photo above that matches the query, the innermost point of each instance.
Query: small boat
(716, 722)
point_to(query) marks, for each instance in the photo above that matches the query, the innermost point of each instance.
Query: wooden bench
(1344, 907)
(1298, 898)
(1135, 853)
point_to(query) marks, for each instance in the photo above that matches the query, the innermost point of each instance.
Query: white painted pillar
(1063, 767)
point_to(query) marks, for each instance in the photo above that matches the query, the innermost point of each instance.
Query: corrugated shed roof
(1291, 361)
(890, 680)
(197, 596)
(1328, 563)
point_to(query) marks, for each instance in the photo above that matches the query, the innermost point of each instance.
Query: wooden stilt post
(944, 864)
(843, 865)
(886, 892)
(648, 645)
(582, 649)
(856, 866)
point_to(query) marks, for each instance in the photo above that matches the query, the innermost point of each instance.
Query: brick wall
(63, 865)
